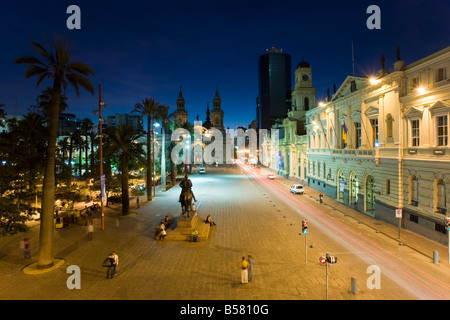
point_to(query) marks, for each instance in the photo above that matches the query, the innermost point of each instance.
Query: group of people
(111, 262)
(247, 266)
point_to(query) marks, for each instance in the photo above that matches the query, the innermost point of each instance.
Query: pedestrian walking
(25, 245)
(137, 201)
(115, 262)
(90, 230)
(251, 264)
(244, 270)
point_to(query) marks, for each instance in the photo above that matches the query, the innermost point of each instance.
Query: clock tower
(303, 97)
(304, 94)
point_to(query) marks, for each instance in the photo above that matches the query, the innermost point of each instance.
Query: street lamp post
(100, 136)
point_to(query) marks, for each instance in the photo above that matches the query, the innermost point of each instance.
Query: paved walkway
(208, 270)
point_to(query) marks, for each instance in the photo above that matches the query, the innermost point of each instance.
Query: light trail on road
(393, 266)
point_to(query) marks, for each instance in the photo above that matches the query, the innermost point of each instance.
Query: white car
(297, 189)
(202, 170)
(271, 176)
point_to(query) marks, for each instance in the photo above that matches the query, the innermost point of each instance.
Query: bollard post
(354, 289)
(435, 257)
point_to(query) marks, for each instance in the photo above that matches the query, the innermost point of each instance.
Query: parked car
(297, 189)
(202, 170)
(271, 176)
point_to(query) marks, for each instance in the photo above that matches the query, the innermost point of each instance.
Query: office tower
(274, 75)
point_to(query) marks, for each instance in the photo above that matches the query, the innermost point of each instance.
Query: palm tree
(86, 127)
(78, 144)
(148, 108)
(2, 114)
(54, 63)
(94, 141)
(172, 125)
(164, 117)
(123, 140)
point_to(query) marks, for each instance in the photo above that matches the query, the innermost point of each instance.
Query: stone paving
(250, 220)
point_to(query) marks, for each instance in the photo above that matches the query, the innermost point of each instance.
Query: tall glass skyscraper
(274, 73)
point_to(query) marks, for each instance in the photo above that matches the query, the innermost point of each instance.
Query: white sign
(398, 213)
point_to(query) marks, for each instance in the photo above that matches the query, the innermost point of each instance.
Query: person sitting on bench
(208, 220)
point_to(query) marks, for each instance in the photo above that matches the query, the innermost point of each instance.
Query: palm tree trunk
(46, 258)
(149, 159)
(125, 194)
(86, 155)
(69, 178)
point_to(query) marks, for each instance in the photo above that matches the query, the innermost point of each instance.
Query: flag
(344, 134)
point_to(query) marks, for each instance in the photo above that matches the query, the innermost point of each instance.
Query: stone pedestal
(183, 227)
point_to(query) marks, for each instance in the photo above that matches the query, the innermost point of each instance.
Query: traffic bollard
(354, 289)
(435, 257)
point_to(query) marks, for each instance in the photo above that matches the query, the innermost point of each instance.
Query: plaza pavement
(249, 221)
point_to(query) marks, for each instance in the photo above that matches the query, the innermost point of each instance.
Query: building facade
(135, 121)
(377, 145)
(381, 144)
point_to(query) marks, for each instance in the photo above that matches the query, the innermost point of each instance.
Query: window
(318, 169)
(440, 228)
(414, 83)
(374, 123)
(389, 125)
(358, 135)
(415, 133)
(306, 104)
(441, 74)
(414, 190)
(413, 218)
(440, 196)
(442, 131)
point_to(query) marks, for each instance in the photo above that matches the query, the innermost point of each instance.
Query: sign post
(398, 215)
(327, 260)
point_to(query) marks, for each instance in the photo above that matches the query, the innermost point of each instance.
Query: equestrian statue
(186, 196)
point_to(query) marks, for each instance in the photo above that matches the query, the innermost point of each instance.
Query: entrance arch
(353, 187)
(340, 185)
(369, 193)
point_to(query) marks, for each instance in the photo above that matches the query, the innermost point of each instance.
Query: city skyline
(151, 49)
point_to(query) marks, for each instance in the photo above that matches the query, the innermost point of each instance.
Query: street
(254, 215)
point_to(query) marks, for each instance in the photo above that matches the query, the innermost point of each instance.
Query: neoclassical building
(381, 144)
(378, 144)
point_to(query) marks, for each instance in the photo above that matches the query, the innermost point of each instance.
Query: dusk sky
(142, 49)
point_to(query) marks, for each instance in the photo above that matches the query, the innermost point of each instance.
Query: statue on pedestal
(186, 196)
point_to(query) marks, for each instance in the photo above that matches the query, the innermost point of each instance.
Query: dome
(303, 64)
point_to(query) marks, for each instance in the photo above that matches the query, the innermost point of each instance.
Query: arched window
(413, 190)
(440, 197)
(306, 103)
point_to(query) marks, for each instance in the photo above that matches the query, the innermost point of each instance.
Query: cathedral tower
(217, 113)
(181, 113)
